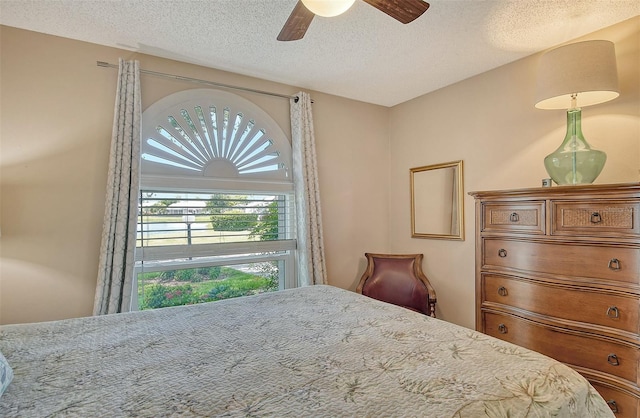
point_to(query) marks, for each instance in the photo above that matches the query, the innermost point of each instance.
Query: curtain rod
(198, 81)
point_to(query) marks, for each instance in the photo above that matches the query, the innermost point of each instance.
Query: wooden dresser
(558, 271)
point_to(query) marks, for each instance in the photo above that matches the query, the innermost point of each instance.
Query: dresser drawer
(586, 306)
(613, 218)
(515, 217)
(621, 403)
(580, 350)
(620, 264)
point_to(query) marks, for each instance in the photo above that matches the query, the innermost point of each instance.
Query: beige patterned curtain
(115, 272)
(311, 263)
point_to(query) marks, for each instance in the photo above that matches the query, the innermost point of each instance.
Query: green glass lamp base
(575, 167)
(574, 162)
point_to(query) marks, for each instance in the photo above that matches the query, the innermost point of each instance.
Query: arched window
(216, 201)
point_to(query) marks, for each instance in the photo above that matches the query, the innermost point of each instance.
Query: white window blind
(216, 198)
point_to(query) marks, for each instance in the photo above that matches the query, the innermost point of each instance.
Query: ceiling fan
(298, 22)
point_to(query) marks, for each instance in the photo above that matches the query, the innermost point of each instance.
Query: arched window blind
(216, 192)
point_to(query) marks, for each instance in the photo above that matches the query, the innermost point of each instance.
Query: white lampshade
(585, 69)
(328, 8)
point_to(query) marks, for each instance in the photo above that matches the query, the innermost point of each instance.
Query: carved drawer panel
(620, 264)
(596, 218)
(580, 350)
(586, 306)
(523, 217)
(621, 403)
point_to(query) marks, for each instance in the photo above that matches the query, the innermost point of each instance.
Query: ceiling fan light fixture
(328, 8)
(404, 11)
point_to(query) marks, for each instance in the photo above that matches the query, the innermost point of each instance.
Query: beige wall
(489, 121)
(56, 116)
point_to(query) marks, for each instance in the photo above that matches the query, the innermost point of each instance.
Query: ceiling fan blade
(296, 26)
(404, 11)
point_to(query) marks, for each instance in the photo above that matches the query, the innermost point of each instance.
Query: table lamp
(571, 77)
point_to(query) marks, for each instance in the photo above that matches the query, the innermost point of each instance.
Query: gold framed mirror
(437, 206)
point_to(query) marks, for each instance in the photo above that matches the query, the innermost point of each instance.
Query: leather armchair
(398, 279)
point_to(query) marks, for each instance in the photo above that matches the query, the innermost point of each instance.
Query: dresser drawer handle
(613, 312)
(596, 218)
(614, 407)
(502, 329)
(612, 359)
(502, 253)
(514, 217)
(614, 264)
(502, 291)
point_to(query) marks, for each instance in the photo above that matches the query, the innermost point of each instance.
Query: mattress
(316, 351)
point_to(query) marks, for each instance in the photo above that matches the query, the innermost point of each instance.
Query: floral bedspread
(317, 351)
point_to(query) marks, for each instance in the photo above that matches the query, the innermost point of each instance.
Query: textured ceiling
(363, 55)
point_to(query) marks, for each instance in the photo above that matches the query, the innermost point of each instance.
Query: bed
(316, 351)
